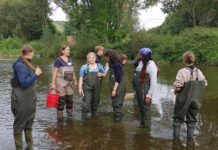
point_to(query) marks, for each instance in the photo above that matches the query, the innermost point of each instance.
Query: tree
(29, 16)
(110, 20)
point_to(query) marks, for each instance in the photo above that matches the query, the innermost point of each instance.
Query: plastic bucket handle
(49, 90)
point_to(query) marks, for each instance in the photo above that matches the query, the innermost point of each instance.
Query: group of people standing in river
(189, 88)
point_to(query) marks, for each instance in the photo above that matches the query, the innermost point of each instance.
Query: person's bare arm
(54, 76)
(81, 86)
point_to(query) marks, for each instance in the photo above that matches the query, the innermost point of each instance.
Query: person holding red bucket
(63, 80)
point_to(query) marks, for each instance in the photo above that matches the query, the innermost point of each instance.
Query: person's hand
(38, 71)
(75, 84)
(53, 86)
(81, 92)
(148, 100)
(177, 90)
(99, 74)
(114, 93)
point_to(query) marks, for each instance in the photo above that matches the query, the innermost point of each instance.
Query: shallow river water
(102, 133)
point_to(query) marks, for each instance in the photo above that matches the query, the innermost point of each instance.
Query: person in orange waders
(64, 80)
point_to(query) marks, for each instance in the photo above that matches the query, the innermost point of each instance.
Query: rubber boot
(93, 114)
(70, 113)
(18, 141)
(29, 140)
(176, 132)
(190, 138)
(177, 145)
(84, 116)
(117, 117)
(147, 118)
(60, 115)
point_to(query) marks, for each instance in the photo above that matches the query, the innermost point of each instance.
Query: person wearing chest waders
(137, 64)
(64, 80)
(90, 85)
(116, 82)
(24, 96)
(146, 82)
(189, 89)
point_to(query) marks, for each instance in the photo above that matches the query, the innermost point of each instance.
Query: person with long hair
(116, 82)
(189, 89)
(64, 80)
(137, 67)
(24, 96)
(146, 85)
(90, 85)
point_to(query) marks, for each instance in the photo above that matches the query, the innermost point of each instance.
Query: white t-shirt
(151, 69)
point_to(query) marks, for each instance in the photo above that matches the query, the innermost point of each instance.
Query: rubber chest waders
(117, 101)
(23, 106)
(188, 103)
(64, 85)
(92, 89)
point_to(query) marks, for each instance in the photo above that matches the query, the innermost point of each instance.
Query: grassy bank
(169, 48)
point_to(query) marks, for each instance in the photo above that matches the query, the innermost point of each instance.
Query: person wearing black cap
(146, 86)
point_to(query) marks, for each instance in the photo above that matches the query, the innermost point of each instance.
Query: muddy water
(102, 133)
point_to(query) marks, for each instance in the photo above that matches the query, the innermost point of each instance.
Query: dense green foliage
(188, 13)
(202, 41)
(24, 18)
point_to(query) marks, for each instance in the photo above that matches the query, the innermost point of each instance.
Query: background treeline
(190, 25)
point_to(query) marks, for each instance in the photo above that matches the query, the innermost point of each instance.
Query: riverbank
(167, 48)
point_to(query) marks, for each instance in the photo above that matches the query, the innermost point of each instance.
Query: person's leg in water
(69, 105)
(60, 108)
(86, 103)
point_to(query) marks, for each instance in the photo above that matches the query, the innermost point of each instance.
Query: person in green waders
(24, 96)
(116, 82)
(146, 83)
(137, 64)
(189, 89)
(90, 85)
(64, 80)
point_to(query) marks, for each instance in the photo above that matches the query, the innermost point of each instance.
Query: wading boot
(60, 116)
(117, 117)
(176, 141)
(29, 140)
(93, 114)
(69, 113)
(84, 116)
(18, 141)
(190, 138)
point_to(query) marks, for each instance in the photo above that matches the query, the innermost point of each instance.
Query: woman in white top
(146, 85)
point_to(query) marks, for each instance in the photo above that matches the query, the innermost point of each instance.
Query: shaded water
(102, 133)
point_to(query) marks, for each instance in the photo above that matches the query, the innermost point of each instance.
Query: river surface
(102, 133)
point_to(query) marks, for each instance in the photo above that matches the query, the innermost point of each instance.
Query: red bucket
(52, 98)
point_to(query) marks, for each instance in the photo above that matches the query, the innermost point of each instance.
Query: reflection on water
(101, 132)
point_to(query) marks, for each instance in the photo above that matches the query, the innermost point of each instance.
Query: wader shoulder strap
(63, 62)
(191, 71)
(197, 75)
